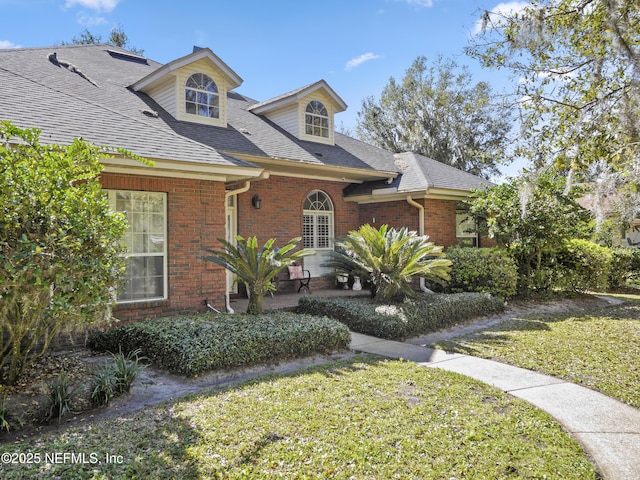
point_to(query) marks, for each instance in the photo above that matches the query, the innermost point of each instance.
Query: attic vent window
(201, 96)
(318, 154)
(127, 56)
(316, 119)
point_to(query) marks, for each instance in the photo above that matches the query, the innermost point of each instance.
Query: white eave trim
(285, 100)
(393, 195)
(179, 169)
(205, 53)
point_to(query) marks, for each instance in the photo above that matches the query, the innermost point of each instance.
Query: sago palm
(389, 259)
(256, 267)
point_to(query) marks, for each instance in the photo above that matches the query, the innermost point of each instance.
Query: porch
(288, 301)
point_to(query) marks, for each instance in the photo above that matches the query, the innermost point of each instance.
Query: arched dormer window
(316, 119)
(201, 96)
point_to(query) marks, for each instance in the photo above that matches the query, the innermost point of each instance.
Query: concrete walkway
(608, 430)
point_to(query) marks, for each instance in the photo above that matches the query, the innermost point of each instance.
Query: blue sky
(275, 46)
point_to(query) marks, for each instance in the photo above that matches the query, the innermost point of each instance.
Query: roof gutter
(420, 208)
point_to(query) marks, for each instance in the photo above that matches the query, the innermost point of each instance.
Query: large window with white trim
(317, 231)
(201, 96)
(146, 244)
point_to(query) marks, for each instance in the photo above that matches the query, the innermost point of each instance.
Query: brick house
(224, 165)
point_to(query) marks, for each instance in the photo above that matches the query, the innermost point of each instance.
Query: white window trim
(314, 246)
(199, 90)
(181, 104)
(330, 140)
(165, 268)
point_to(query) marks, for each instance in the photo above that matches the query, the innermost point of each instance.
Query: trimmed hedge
(583, 265)
(484, 270)
(625, 266)
(193, 344)
(414, 316)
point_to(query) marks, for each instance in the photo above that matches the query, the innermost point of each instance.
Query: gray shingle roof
(38, 91)
(420, 174)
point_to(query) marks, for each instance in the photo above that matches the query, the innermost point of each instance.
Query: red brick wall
(280, 216)
(195, 219)
(439, 222)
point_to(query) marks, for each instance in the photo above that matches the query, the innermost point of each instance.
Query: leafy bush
(59, 244)
(127, 368)
(192, 344)
(104, 386)
(625, 266)
(59, 397)
(388, 259)
(583, 265)
(484, 270)
(421, 314)
(257, 267)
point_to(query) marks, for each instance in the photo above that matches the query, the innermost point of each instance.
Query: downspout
(227, 194)
(420, 208)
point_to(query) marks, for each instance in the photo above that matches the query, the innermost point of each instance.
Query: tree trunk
(255, 303)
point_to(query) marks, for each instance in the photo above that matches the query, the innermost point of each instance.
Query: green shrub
(103, 386)
(421, 314)
(583, 265)
(484, 270)
(388, 259)
(59, 397)
(127, 368)
(625, 266)
(192, 344)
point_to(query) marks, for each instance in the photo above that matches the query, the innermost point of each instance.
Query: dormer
(307, 113)
(192, 88)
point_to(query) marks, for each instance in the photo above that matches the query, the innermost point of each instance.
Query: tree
(117, 37)
(578, 65)
(438, 112)
(531, 216)
(256, 267)
(59, 244)
(389, 259)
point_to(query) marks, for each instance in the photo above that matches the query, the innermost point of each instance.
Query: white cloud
(98, 5)
(418, 3)
(8, 44)
(500, 10)
(354, 62)
(90, 21)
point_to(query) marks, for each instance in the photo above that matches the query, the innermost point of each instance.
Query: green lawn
(364, 418)
(599, 348)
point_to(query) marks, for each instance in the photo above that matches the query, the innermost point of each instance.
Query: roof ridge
(117, 113)
(420, 170)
